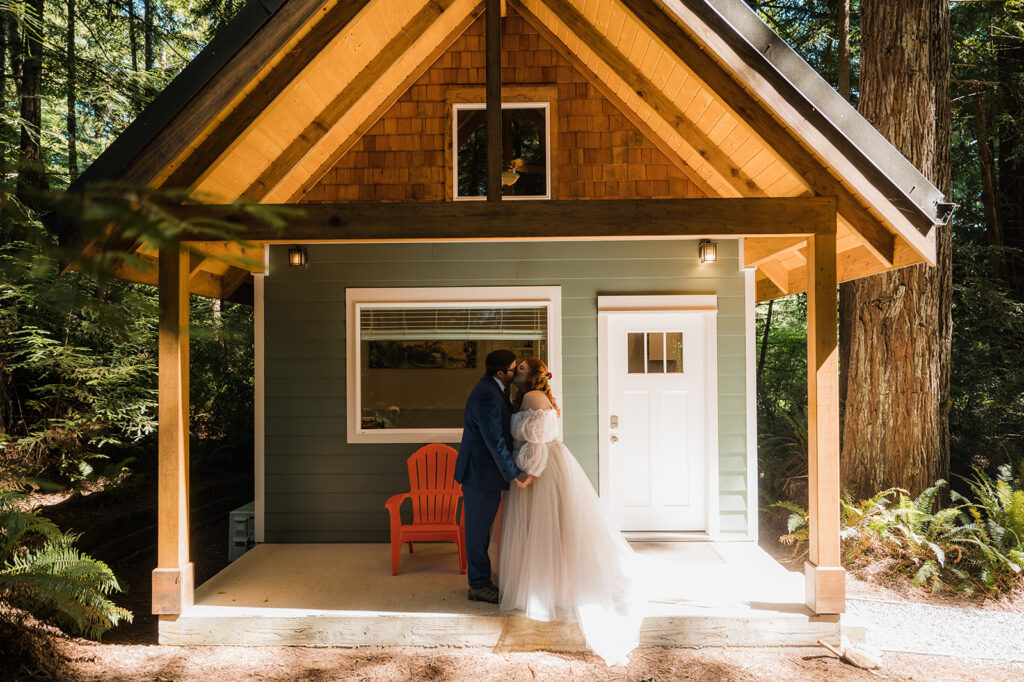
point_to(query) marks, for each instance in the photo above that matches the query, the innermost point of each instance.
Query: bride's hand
(524, 479)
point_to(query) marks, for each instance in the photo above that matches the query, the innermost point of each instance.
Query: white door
(658, 381)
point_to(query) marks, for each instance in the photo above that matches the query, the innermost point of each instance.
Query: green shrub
(996, 517)
(970, 546)
(43, 573)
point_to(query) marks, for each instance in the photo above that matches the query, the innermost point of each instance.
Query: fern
(42, 572)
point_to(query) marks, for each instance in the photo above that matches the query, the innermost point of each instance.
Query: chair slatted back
(432, 468)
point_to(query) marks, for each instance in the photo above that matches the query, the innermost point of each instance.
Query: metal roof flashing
(763, 50)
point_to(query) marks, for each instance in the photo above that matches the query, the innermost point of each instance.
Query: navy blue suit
(484, 468)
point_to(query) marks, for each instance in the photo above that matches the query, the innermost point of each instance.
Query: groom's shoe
(488, 593)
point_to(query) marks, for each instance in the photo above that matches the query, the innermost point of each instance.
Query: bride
(560, 558)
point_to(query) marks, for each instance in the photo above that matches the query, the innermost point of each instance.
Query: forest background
(78, 350)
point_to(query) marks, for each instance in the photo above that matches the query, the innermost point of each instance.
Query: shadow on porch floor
(703, 594)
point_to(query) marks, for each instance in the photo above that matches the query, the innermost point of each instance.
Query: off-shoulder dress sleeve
(538, 429)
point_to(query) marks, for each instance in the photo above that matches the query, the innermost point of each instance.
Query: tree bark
(1010, 165)
(31, 174)
(764, 342)
(845, 291)
(896, 427)
(72, 121)
(987, 166)
(133, 42)
(147, 21)
(843, 67)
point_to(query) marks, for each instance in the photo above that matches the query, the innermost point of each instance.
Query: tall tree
(31, 173)
(72, 121)
(147, 21)
(896, 427)
(133, 43)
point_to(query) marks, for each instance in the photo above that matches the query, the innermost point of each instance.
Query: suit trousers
(481, 506)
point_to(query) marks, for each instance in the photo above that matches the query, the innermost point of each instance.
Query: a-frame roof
(289, 86)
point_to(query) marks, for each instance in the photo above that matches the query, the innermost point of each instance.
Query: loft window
(525, 157)
(415, 354)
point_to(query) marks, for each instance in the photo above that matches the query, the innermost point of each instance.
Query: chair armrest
(395, 502)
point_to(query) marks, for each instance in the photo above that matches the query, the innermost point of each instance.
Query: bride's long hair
(537, 380)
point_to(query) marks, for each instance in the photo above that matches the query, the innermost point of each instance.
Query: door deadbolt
(615, 439)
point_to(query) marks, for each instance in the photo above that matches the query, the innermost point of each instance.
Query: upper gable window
(525, 156)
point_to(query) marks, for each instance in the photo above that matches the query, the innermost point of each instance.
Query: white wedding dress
(560, 558)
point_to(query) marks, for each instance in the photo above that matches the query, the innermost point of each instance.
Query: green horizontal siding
(320, 488)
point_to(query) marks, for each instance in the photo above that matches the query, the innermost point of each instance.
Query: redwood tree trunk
(896, 427)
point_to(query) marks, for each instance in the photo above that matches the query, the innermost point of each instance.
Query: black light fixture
(707, 251)
(297, 257)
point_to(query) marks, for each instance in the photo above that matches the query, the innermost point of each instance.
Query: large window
(415, 354)
(526, 151)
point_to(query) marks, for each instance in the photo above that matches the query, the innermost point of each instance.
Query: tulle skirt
(560, 559)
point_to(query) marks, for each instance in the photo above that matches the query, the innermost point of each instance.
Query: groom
(485, 466)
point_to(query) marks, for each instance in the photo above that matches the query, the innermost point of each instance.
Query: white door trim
(668, 304)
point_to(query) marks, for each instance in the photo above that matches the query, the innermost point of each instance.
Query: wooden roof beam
(535, 220)
(231, 280)
(229, 131)
(777, 273)
(653, 96)
(297, 150)
(760, 250)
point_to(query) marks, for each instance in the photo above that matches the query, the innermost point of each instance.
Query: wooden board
(556, 219)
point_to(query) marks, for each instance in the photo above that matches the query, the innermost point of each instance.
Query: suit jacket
(485, 457)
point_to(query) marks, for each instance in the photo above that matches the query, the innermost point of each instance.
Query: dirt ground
(128, 652)
(89, 661)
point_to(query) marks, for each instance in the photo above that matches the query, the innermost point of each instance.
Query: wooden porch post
(826, 579)
(173, 584)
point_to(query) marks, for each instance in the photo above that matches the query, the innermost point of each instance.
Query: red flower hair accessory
(549, 376)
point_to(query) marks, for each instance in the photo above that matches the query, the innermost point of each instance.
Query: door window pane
(674, 352)
(635, 353)
(655, 353)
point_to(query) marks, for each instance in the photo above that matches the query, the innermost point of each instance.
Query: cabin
(610, 185)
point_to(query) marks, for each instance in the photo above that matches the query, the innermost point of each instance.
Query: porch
(703, 594)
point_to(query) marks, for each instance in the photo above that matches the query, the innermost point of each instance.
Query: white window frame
(356, 299)
(546, 106)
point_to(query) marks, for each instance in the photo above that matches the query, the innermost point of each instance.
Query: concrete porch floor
(703, 594)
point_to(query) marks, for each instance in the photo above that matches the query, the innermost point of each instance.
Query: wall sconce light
(707, 251)
(297, 257)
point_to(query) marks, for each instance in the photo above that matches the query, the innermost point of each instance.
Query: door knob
(615, 439)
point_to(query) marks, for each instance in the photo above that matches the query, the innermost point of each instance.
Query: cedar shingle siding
(599, 152)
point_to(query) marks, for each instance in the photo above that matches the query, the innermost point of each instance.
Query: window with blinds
(417, 363)
(510, 323)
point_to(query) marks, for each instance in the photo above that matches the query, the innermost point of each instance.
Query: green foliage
(974, 545)
(42, 572)
(782, 458)
(77, 366)
(996, 513)
(987, 379)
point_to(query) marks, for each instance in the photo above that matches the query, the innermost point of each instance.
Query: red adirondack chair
(435, 499)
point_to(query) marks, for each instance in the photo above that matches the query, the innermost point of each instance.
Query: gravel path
(967, 633)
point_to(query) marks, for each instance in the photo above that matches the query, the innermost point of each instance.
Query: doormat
(680, 552)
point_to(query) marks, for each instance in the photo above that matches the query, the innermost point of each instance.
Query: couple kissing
(560, 558)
